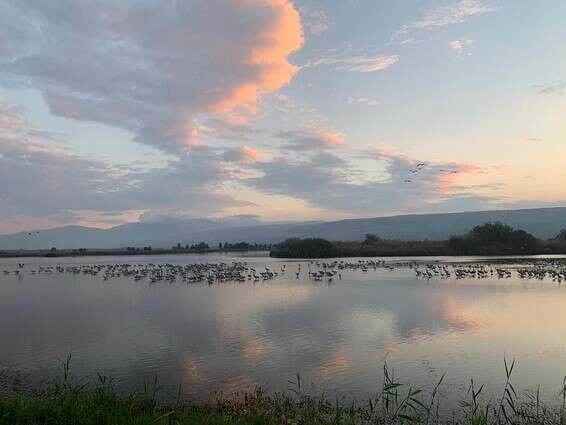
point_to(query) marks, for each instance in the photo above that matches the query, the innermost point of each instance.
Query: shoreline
(269, 254)
(98, 401)
(118, 253)
(424, 255)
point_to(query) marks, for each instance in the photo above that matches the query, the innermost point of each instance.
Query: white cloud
(329, 181)
(315, 21)
(363, 100)
(558, 87)
(363, 63)
(41, 180)
(460, 44)
(450, 14)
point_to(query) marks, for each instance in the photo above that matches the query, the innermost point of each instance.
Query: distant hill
(128, 234)
(543, 223)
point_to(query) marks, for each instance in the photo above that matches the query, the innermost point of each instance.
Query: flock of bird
(315, 270)
(420, 166)
(540, 270)
(166, 272)
(462, 271)
(200, 272)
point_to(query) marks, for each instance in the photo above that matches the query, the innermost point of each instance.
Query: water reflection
(233, 336)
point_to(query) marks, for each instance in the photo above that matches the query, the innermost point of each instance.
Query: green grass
(99, 404)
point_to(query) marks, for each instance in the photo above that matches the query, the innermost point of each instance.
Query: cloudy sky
(112, 112)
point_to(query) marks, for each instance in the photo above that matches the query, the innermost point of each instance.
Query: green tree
(371, 239)
(494, 238)
(305, 248)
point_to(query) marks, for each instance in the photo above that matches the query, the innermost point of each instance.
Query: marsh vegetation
(78, 402)
(487, 239)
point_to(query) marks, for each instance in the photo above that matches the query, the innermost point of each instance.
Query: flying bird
(418, 167)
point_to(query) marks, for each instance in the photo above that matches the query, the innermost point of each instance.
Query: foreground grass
(100, 404)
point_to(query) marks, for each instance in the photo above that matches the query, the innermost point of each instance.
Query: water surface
(233, 336)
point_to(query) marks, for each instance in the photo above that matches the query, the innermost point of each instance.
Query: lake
(232, 336)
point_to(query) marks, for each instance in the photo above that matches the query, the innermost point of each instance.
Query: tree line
(226, 246)
(492, 238)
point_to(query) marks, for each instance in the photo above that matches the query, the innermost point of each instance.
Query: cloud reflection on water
(232, 337)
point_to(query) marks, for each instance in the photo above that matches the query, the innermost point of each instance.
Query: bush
(560, 237)
(494, 238)
(305, 248)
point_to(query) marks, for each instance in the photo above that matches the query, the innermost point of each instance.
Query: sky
(140, 110)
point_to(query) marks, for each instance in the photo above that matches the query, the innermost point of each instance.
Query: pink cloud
(154, 68)
(244, 154)
(330, 138)
(441, 176)
(251, 154)
(280, 36)
(447, 179)
(390, 152)
(11, 117)
(311, 138)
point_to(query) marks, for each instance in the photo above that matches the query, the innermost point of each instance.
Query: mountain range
(166, 232)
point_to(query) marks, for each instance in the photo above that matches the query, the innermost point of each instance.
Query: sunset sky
(119, 111)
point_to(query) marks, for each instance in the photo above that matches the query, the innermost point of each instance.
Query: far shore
(489, 239)
(115, 252)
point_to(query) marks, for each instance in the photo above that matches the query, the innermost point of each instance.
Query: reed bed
(98, 402)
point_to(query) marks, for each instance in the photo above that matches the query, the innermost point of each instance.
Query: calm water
(233, 336)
